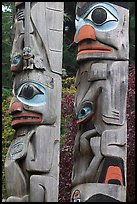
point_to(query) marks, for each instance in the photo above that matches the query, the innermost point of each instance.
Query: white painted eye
(76, 22)
(32, 94)
(85, 112)
(99, 15)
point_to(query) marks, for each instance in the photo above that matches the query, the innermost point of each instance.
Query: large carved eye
(29, 91)
(32, 94)
(100, 15)
(85, 112)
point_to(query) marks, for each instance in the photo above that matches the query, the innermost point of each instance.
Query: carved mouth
(26, 118)
(85, 47)
(26, 56)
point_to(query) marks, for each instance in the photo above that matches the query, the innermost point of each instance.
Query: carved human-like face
(33, 101)
(76, 196)
(101, 31)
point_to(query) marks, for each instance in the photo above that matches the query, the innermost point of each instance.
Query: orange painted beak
(87, 32)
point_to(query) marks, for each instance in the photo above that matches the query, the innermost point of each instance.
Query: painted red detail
(26, 118)
(114, 172)
(86, 32)
(15, 107)
(13, 68)
(91, 48)
(85, 119)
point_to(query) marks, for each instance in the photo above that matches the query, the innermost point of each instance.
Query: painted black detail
(111, 161)
(82, 7)
(29, 91)
(114, 181)
(101, 198)
(99, 16)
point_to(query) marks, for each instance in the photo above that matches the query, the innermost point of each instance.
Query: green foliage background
(7, 38)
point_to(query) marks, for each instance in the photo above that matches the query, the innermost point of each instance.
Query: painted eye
(85, 113)
(100, 15)
(16, 59)
(32, 94)
(76, 23)
(29, 91)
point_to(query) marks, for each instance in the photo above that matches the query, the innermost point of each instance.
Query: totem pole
(32, 162)
(100, 149)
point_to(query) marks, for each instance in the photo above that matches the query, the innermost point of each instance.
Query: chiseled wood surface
(32, 162)
(100, 149)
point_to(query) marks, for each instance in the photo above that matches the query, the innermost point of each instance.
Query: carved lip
(84, 48)
(26, 56)
(26, 118)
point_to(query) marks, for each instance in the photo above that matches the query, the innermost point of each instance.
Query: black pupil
(82, 111)
(99, 15)
(27, 91)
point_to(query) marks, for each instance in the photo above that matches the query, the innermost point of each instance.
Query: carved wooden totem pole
(32, 162)
(100, 150)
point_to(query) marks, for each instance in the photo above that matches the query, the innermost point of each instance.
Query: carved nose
(85, 32)
(16, 107)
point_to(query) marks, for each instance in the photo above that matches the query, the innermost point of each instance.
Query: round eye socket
(99, 16)
(29, 91)
(85, 112)
(16, 59)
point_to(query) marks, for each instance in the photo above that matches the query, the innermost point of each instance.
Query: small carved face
(33, 103)
(27, 53)
(76, 196)
(102, 31)
(16, 63)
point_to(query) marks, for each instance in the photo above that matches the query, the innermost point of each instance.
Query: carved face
(34, 101)
(39, 44)
(16, 63)
(101, 31)
(76, 196)
(27, 53)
